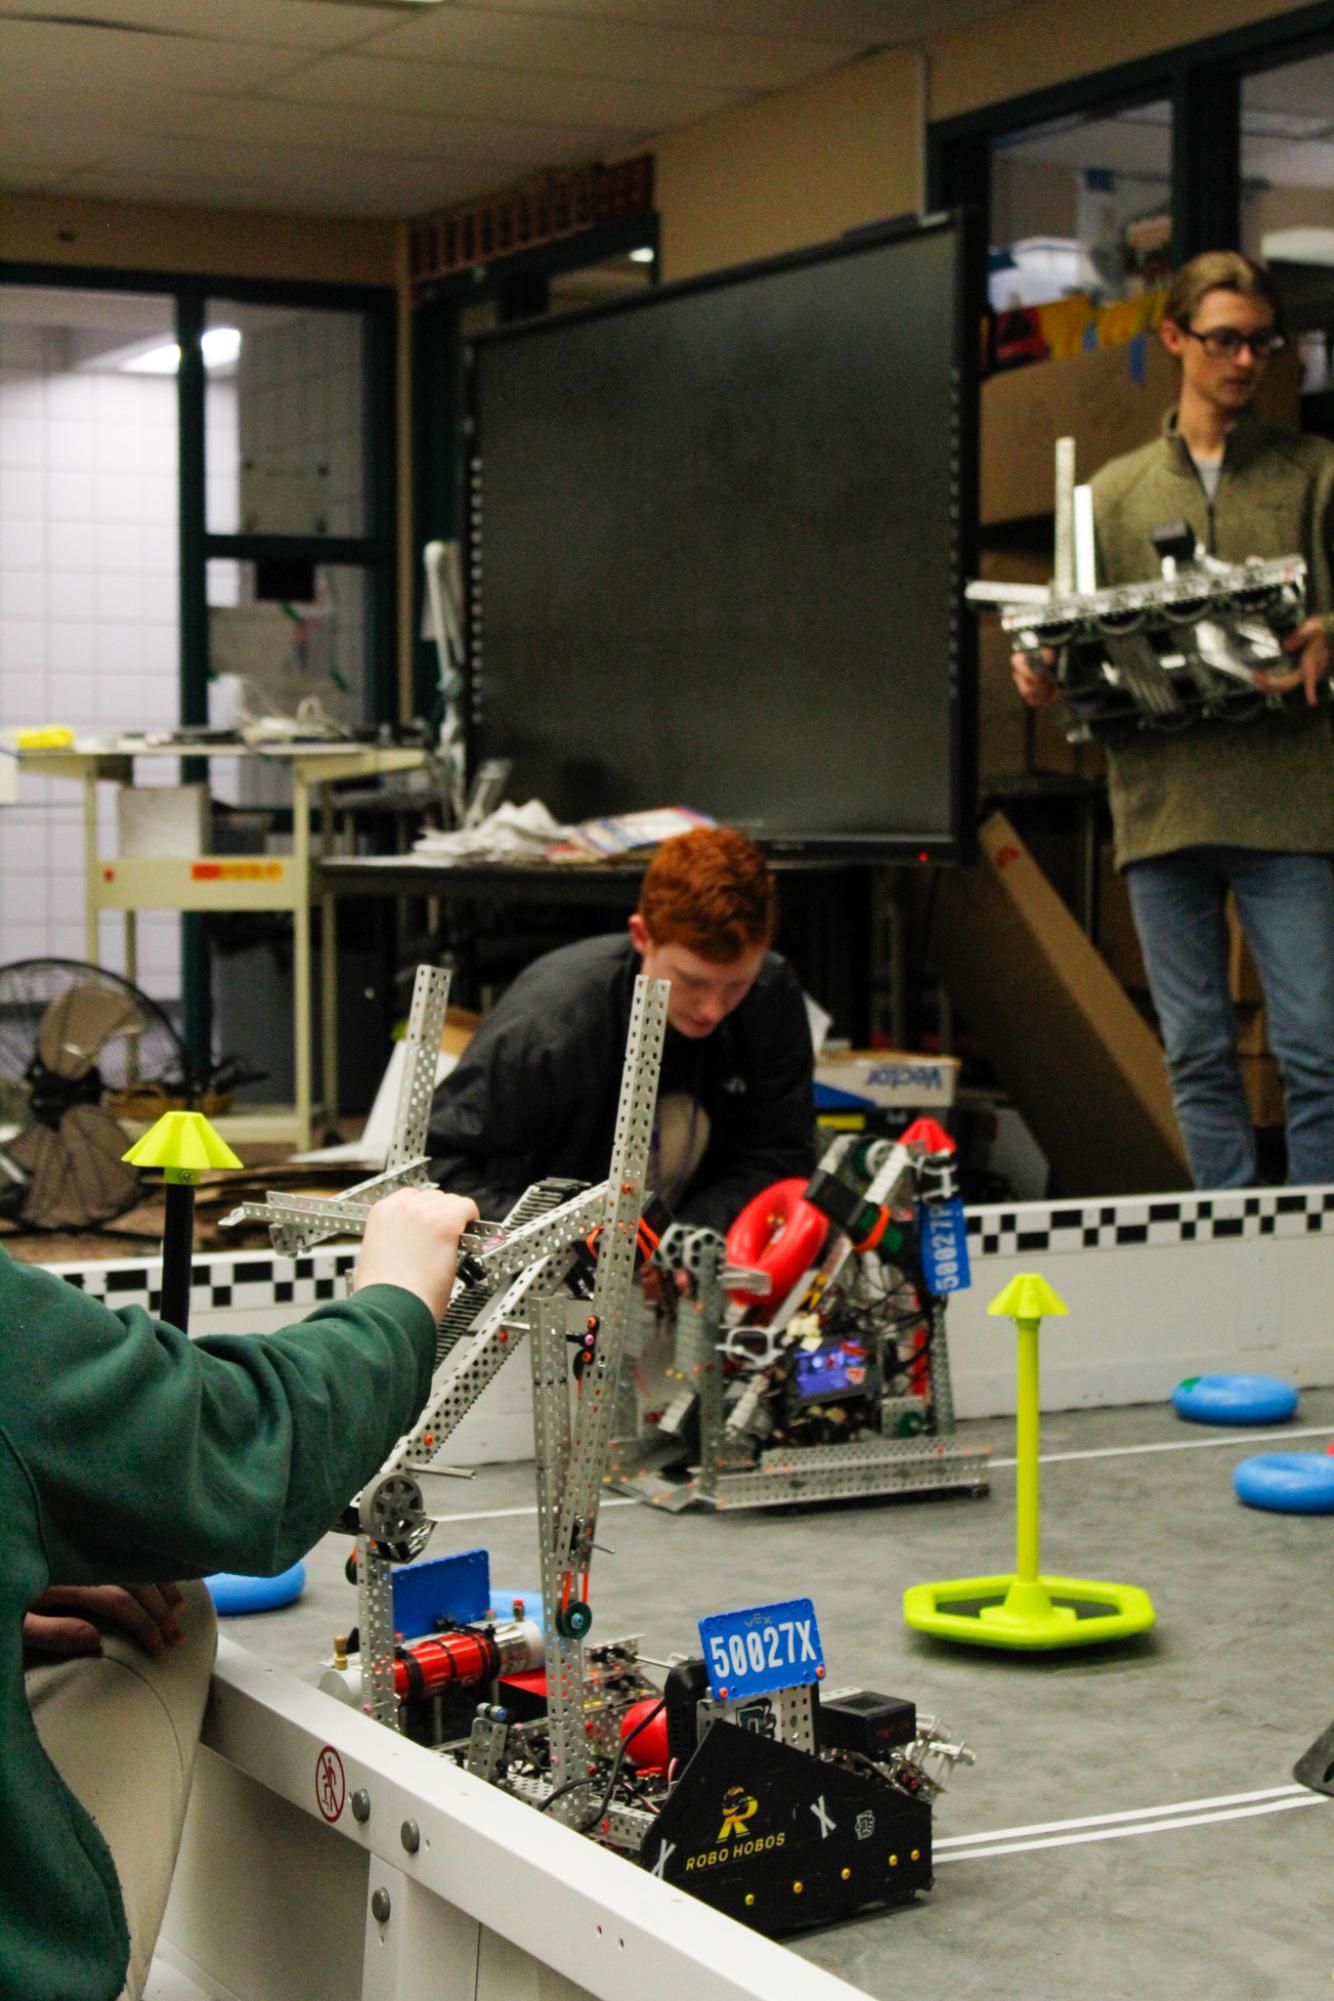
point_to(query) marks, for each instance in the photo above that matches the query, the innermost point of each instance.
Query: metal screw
(361, 1804)
(410, 1836)
(380, 1906)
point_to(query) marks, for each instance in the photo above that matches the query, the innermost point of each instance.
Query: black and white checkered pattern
(237, 1281)
(256, 1280)
(1050, 1228)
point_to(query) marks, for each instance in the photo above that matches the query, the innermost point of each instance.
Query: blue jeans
(1286, 905)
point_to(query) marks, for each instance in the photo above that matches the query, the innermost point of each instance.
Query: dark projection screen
(717, 548)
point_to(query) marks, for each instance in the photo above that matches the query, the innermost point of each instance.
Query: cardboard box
(460, 1026)
(1109, 401)
(1243, 978)
(1066, 1041)
(1252, 1031)
(1264, 1089)
(853, 1080)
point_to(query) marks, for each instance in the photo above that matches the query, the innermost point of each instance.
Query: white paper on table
(372, 1149)
(818, 1021)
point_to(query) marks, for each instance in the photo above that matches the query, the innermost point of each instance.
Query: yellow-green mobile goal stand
(1027, 1610)
(182, 1144)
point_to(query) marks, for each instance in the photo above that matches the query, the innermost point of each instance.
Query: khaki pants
(121, 1729)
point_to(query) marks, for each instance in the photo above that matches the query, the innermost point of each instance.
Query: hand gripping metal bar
(499, 1256)
(468, 1368)
(532, 1252)
(298, 1222)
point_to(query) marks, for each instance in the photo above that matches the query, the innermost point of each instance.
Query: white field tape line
(1120, 1826)
(1128, 1813)
(1244, 1438)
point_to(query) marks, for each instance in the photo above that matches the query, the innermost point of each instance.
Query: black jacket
(537, 1090)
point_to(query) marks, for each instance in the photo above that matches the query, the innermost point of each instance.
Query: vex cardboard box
(1109, 401)
(1063, 1036)
(864, 1080)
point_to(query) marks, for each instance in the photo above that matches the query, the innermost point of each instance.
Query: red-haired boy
(536, 1092)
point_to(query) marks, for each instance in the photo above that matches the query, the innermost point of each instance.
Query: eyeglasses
(1225, 343)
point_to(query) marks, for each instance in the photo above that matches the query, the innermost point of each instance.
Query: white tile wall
(88, 579)
(88, 616)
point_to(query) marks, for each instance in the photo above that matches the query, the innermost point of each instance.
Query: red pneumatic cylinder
(440, 1661)
(465, 1658)
(450, 1660)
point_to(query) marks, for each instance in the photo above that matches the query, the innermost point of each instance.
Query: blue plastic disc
(503, 1601)
(232, 1593)
(1291, 1483)
(1234, 1400)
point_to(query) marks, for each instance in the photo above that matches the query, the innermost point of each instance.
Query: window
(1287, 205)
(1082, 204)
(168, 451)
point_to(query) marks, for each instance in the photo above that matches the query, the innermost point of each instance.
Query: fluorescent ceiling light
(221, 346)
(642, 256)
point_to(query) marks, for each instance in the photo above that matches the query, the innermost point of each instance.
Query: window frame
(1202, 80)
(375, 552)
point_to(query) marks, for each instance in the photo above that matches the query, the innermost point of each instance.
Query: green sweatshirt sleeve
(154, 1456)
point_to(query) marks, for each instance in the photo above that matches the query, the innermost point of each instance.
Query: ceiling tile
(112, 59)
(384, 134)
(627, 51)
(327, 187)
(298, 24)
(68, 106)
(503, 95)
(847, 24)
(344, 107)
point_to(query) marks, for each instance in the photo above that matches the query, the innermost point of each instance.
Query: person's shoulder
(562, 989)
(52, 1324)
(776, 990)
(777, 973)
(588, 964)
(1315, 455)
(1122, 474)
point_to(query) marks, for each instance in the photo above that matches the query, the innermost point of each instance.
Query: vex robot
(809, 1357)
(1160, 655)
(740, 1778)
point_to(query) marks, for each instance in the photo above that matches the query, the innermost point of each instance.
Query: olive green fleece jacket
(1267, 783)
(129, 1453)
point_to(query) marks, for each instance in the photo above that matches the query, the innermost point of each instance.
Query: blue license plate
(943, 1231)
(761, 1650)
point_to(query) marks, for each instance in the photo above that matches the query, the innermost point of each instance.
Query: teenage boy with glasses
(1222, 805)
